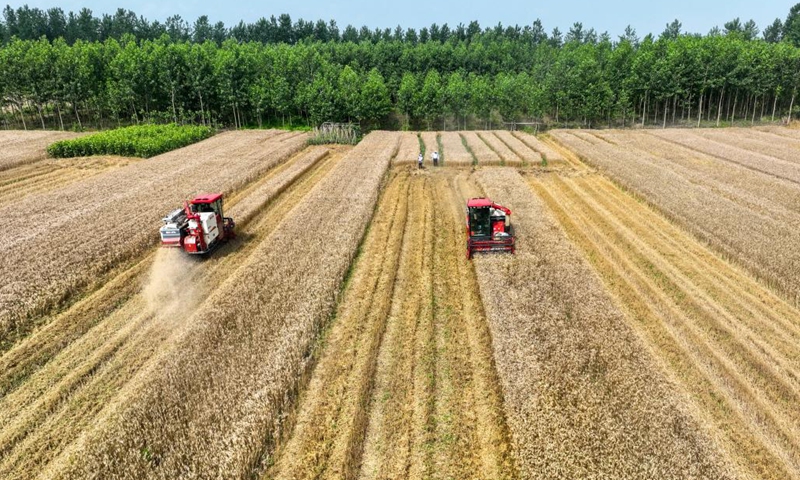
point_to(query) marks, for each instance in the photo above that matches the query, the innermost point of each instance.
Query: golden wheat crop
(550, 154)
(408, 150)
(211, 407)
(455, 153)
(526, 153)
(507, 155)
(21, 147)
(783, 169)
(764, 142)
(82, 230)
(728, 343)
(583, 396)
(485, 155)
(757, 232)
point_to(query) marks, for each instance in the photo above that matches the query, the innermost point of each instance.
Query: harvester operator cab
(488, 227)
(199, 227)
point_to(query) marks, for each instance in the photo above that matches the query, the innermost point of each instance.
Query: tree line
(450, 80)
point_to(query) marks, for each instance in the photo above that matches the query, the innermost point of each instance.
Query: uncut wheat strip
(454, 152)
(756, 161)
(714, 218)
(564, 355)
(537, 145)
(408, 150)
(771, 390)
(221, 384)
(718, 405)
(482, 152)
(70, 260)
(773, 323)
(783, 132)
(528, 155)
(248, 207)
(764, 194)
(755, 141)
(506, 154)
(19, 148)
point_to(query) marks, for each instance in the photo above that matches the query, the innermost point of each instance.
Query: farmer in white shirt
(435, 159)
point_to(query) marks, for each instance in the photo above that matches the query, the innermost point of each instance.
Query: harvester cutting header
(199, 227)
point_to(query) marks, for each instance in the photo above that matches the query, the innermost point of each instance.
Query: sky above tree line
(697, 16)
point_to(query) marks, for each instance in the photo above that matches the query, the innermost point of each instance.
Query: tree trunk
(774, 106)
(719, 109)
(791, 104)
(644, 109)
(755, 104)
(733, 111)
(77, 115)
(60, 118)
(674, 107)
(21, 115)
(203, 111)
(41, 117)
(664, 125)
(174, 112)
(700, 110)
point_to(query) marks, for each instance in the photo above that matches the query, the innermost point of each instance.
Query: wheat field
(645, 328)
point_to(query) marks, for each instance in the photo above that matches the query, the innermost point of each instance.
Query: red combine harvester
(199, 227)
(488, 227)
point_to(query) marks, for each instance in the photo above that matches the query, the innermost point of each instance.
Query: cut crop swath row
(583, 395)
(213, 408)
(81, 231)
(137, 141)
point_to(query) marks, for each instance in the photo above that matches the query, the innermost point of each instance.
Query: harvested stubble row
(455, 153)
(482, 152)
(83, 230)
(21, 147)
(93, 356)
(548, 153)
(584, 398)
(526, 153)
(727, 341)
(787, 170)
(507, 155)
(212, 406)
(761, 237)
(408, 151)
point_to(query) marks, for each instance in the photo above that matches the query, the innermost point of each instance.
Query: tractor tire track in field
(405, 386)
(727, 341)
(56, 381)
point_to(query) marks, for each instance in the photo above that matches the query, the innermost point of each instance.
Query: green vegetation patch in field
(137, 141)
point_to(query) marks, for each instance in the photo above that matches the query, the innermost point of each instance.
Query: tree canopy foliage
(63, 71)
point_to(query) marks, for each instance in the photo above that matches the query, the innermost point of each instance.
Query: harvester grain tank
(489, 227)
(199, 227)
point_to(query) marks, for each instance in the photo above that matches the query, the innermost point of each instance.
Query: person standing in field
(419, 160)
(435, 159)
